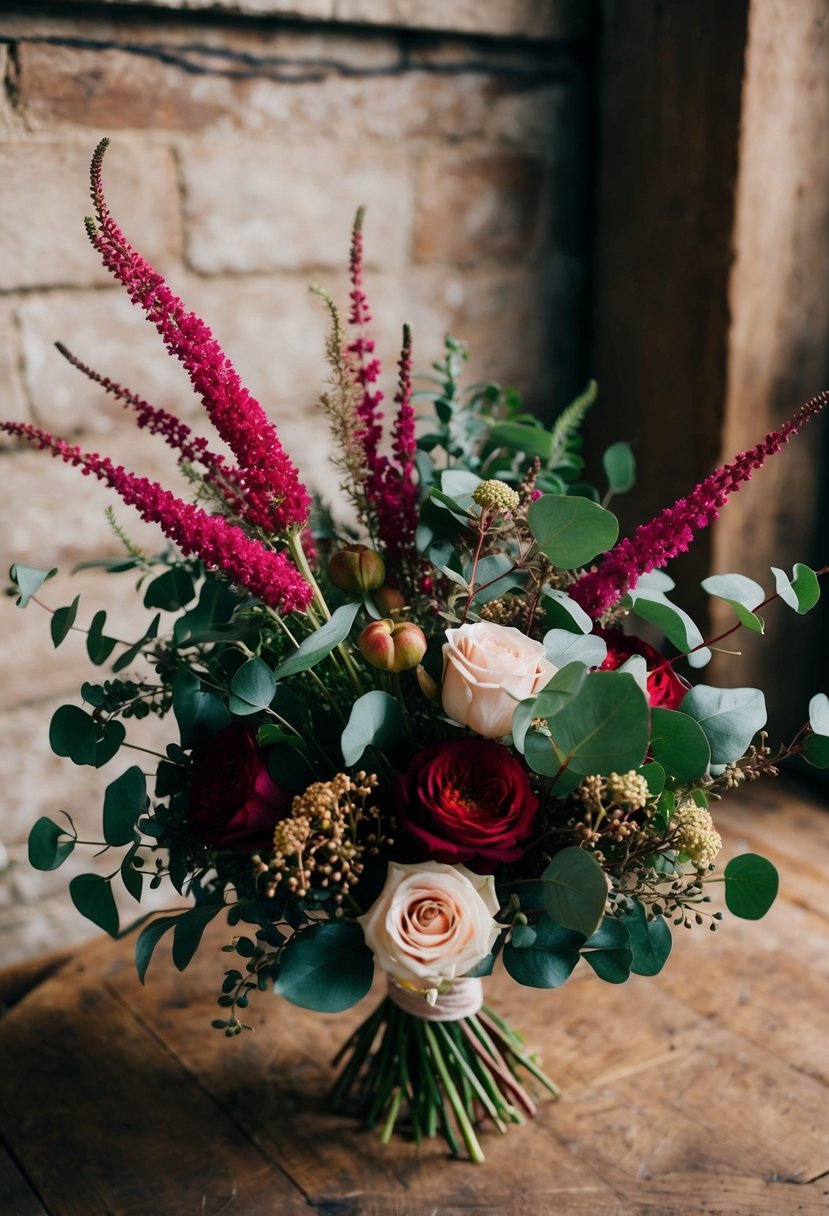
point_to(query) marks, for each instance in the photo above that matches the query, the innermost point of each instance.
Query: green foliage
(730, 718)
(199, 714)
(148, 939)
(567, 425)
(252, 688)
(751, 885)
(62, 621)
(557, 693)
(819, 714)
(188, 932)
(29, 580)
(49, 845)
(92, 896)
(98, 646)
(565, 647)
(604, 728)
(125, 800)
(548, 960)
(680, 745)
(132, 652)
(564, 613)
(376, 720)
(328, 968)
(650, 940)
(620, 468)
(652, 604)
(575, 891)
(740, 593)
(320, 643)
(801, 591)
(608, 951)
(171, 591)
(571, 531)
(83, 739)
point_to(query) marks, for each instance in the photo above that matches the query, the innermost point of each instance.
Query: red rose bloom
(665, 688)
(467, 802)
(234, 801)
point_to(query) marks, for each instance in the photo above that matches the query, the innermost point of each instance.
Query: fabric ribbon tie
(462, 1000)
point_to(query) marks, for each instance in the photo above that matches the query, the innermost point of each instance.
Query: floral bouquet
(420, 734)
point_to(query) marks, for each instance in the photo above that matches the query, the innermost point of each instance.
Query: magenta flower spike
(270, 576)
(268, 476)
(397, 501)
(670, 533)
(367, 367)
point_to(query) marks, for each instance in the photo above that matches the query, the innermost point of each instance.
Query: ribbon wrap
(462, 1000)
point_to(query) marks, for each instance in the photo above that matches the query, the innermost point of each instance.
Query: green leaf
(62, 621)
(564, 647)
(269, 733)
(189, 930)
(816, 751)
(819, 714)
(605, 727)
(608, 951)
(47, 850)
(531, 440)
(459, 485)
(199, 714)
(651, 604)
(571, 531)
(680, 744)
(523, 936)
(654, 774)
(254, 685)
(575, 891)
(148, 939)
(99, 647)
(565, 684)
(73, 733)
(620, 468)
(802, 591)
(741, 593)
(562, 612)
(547, 961)
(730, 718)
(751, 885)
(29, 580)
(376, 720)
(124, 800)
(92, 896)
(171, 591)
(328, 968)
(133, 651)
(320, 643)
(443, 500)
(650, 940)
(132, 878)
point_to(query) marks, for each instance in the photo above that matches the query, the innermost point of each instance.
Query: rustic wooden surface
(704, 1090)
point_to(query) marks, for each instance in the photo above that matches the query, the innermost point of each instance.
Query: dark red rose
(467, 802)
(665, 688)
(234, 801)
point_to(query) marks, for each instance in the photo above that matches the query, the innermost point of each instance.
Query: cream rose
(487, 669)
(431, 922)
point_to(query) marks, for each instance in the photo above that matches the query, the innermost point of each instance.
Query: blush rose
(467, 801)
(234, 802)
(431, 923)
(487, 670)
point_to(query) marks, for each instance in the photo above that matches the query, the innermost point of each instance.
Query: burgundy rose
(234, 801)
(665, 688)
(467, 802)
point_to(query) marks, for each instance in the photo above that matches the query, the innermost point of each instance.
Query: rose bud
(356, 568)
(392, 647)
(389, 600)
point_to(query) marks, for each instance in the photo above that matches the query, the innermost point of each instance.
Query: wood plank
(107, 1122)
(726, 1196)
(16, 1195)
(17, 980)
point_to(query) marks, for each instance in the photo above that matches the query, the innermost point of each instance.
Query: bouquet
(415, 729)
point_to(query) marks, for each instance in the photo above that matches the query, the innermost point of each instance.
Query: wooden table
(704, 1090)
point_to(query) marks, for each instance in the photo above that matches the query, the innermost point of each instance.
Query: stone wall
(242, 145)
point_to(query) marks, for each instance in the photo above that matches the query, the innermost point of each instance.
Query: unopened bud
(392, 647)
(356, 569)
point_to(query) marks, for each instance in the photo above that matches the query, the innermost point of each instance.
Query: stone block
(44, 197)
(548, 19)
(291, 207)
(12, 396)
(475, 207)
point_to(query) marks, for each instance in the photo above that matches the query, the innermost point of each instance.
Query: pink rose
(487, 670)
(234, 801)
(431, 923)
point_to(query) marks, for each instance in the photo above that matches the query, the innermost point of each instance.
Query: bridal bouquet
(415, 729)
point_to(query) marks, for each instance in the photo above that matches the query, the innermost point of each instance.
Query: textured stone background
(240, 152)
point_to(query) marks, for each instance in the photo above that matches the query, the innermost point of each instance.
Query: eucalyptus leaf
(570, 531)
(531, 440)
(317, 645)
(740, 593)
(376, 720)
(751, 885)
(651, 604)
(98, 646)
(819, 714)
(620, 468)
(29, 580)
(562, 612)
(816, 751)
(327, 968)
(188, 932)
(605, 727)
(62, 621)
(801, 591)
(608, 951)
(49, 844)
(730, 718)
(92, 896)
(563, 647)
(254, 684)
(565, 684)
(650, 940)
(548, 960)
(171, 590)
(125, 800)
(575, 891)
(133, 651)
(148, 939)
(679, 744)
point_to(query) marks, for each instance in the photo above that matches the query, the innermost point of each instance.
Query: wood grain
(706, 1089)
